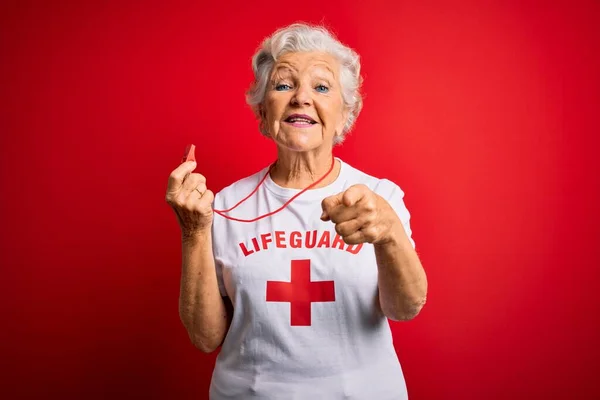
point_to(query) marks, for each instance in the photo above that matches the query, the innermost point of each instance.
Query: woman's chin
(301, 142)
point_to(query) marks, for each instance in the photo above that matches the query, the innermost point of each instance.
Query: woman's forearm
(201, 308)
(402, 281)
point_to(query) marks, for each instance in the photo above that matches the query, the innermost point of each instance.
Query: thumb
(188, 167)
(189, 159)
(180, 174)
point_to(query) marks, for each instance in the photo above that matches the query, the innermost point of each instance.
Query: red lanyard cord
(222, 212)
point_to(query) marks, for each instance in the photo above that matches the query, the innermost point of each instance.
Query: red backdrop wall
(485, 114)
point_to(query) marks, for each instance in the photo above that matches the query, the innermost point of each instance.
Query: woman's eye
(322, 89)
(282, 86)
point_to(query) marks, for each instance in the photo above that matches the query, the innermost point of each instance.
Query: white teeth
(301, 120)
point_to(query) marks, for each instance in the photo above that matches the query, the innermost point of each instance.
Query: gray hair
(303, 37)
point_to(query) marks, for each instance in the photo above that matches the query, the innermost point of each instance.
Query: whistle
(189, 154)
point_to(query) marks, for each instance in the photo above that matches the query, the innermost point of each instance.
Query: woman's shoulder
(380, 185)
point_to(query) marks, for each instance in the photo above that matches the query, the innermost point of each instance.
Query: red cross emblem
(300, 292)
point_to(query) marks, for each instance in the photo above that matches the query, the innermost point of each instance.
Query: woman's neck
(300, 170)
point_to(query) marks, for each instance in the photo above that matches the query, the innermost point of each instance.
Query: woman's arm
(204, 313)
(402, 280)
(362, 216)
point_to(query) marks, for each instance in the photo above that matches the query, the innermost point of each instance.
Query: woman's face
(303, 108)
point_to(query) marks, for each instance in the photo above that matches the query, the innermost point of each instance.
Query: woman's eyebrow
(286, 67)
(279, 75)
(324, 66)
(327, 77)
(281, 72)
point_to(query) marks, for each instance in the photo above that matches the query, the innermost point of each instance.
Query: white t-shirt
(305, 322)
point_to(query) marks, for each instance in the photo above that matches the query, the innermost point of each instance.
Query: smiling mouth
(300, 120)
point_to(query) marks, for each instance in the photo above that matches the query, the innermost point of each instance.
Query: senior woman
(295, 270)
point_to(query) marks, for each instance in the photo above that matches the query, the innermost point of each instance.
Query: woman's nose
(302, 96)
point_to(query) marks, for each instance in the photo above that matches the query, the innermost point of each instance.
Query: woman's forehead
(304, 62)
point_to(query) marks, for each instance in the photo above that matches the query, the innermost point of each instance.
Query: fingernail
(324, 215)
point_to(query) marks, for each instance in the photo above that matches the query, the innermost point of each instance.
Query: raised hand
(360, 215)
(190, 199)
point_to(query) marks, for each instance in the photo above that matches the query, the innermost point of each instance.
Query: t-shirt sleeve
(396, 200)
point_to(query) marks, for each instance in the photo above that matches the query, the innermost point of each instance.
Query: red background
(486, 116)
